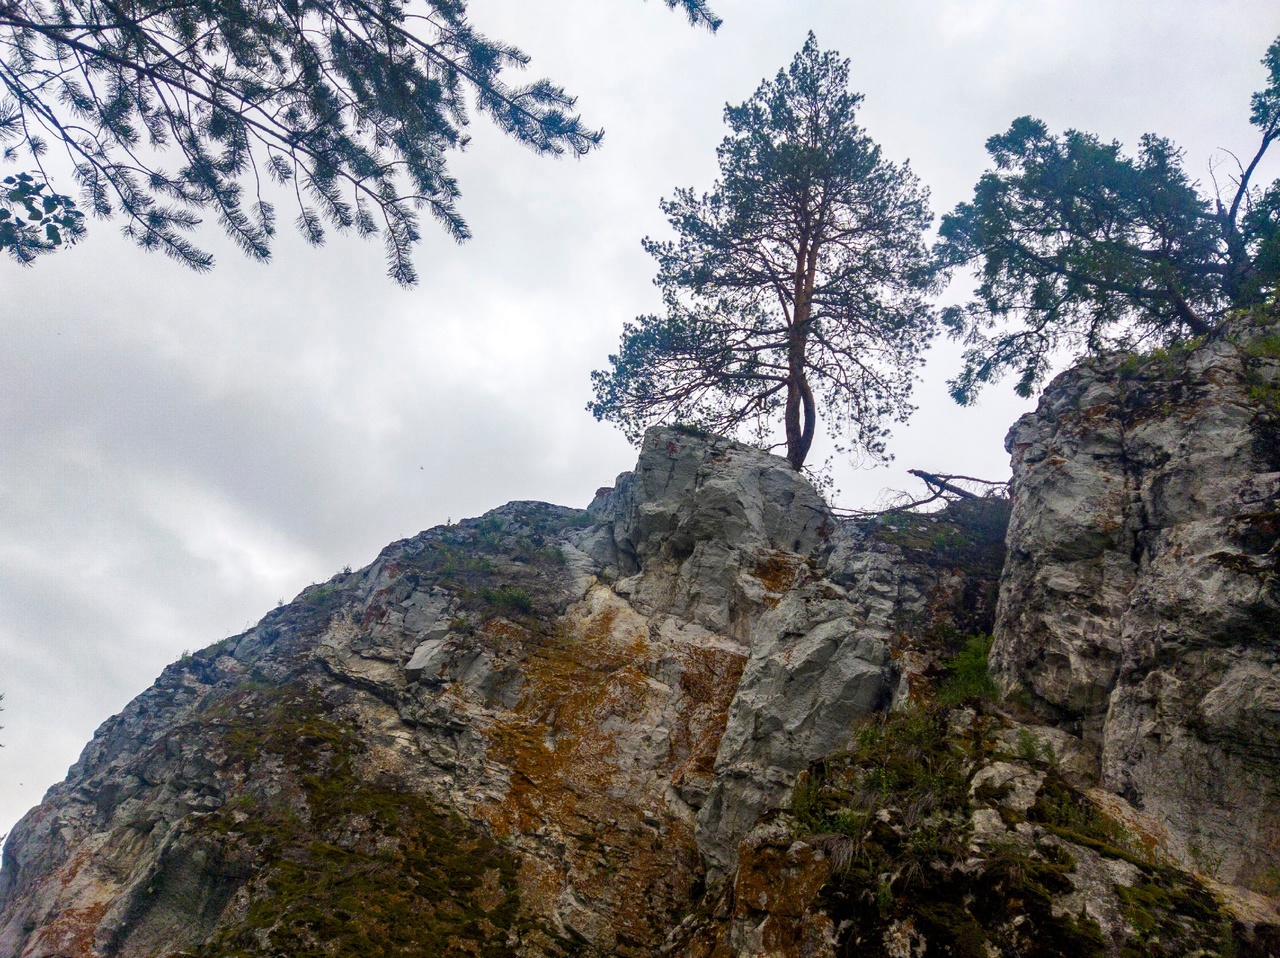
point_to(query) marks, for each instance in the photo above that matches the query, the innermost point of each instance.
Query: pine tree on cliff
(1080, 248)
(796, 285)
(165, 111)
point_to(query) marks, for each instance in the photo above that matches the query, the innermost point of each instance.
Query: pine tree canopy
(797, 284)
(1082, 248)
(169, 110)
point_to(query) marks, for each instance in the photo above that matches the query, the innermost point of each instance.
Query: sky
(179, 452)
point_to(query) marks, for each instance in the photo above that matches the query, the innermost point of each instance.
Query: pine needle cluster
(169, 111)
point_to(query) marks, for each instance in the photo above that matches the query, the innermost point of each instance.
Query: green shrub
(968, 679)
(507, 599)
(893, 815)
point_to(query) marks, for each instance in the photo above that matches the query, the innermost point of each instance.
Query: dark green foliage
(893, 814)
(1083, 248)
(167, 111)
(968, 678)
(33, 222)
(347, 866)
(697, 11)
(508, 599)
(797, 282)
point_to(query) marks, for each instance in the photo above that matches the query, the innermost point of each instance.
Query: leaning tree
(1080, 248)
(797, 284)
(169, 110)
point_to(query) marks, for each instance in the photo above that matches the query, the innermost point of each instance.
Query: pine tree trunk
(801, 413)
(792, 422)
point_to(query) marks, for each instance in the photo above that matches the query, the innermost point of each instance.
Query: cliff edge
(540, 732)
(706, 717)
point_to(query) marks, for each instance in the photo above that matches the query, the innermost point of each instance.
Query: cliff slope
(1140, 605)
(705, 717)
(541, 732)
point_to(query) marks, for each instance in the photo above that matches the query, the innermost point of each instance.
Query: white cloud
(179, 451)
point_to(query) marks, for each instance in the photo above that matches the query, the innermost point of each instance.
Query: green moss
(950, 928)
(348, 867)
(1171, 915)
(1068, 813)
(968, 677)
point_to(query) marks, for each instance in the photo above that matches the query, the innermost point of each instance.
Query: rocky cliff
(706, 717)
(1140, 605)
(541, 732)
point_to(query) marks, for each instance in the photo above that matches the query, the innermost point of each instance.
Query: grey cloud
(179, 451)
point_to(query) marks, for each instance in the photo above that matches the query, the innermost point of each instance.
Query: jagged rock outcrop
(958, 831)
(541, 732)
(706, 718)
(1140, 602)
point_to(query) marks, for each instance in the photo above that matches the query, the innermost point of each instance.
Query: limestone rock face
(684, 531)
(1140, 602)
(956, 831)
(706, 718)
(540, 732)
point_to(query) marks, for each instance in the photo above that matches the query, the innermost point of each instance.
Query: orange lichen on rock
(708, 680)
(772, 908)
(71, 934)
(592, 749)
(779, 572)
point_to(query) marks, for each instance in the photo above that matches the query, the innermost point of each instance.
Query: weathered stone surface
(567, 684)
(813, 672)
(723, 538)
(686, 531)
(1140, 602)
(550, 731)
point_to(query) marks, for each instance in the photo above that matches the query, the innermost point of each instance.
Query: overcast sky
(178, 452)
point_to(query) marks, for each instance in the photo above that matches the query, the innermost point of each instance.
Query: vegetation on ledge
(898, 817)
(347, 866)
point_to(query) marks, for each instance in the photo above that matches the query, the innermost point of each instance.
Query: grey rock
(618, 694)
(813, 672)
(1140, 602)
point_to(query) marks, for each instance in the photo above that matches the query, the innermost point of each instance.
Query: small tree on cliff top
(1082, 248)
(798, 282)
